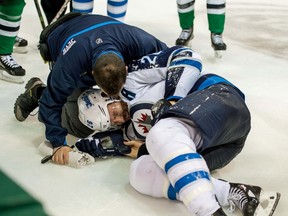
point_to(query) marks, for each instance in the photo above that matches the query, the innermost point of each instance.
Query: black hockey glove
(158, 109)
(104, 144)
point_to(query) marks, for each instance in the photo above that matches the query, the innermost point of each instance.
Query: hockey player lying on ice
(172, 74)
(212, 122)
(207, 124)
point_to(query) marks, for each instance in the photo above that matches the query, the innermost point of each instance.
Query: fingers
(134, 148)
(134, 143)
(60, 158)
(132, 154)
(61, 155)
(129, 143)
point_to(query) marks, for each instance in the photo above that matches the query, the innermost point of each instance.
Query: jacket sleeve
(70, 72)
(59, 86)
(64, 78)
(183, 71)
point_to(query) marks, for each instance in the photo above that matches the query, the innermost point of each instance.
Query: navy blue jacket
(74, 47)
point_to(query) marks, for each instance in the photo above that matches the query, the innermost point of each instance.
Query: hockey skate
(217, 44)
(252, 200)
(28, 101)
(185, 37)
(11, 71)
(20, 45)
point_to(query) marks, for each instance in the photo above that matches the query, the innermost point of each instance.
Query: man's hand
(61, 155)
(135, 145)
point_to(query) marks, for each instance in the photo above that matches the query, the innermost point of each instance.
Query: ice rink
(256, 33)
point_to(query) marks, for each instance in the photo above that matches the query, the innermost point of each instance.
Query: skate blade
(20, 50)
(7, 77)
(268, 202)
(218, 54)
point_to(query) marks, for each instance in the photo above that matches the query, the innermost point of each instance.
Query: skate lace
(217, 39)
(237, 197)
(9, 61)
(185, 34)
(18, 39)
(232, 205)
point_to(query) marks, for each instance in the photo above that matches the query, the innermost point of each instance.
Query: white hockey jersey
(168, 74)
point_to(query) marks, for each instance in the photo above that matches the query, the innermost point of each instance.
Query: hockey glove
(104, 144)
(158, 109)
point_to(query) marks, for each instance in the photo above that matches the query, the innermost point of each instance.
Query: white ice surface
(256, 34)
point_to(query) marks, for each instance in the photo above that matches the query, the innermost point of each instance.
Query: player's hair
(109, 71)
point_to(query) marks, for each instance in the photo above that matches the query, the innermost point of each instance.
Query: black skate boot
(28, 101)
(252, 200)
(219, 212)
(217, 44)
(185, 36)
(20, 45)
(10, 70)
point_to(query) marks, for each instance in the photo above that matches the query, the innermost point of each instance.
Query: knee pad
(148, 178)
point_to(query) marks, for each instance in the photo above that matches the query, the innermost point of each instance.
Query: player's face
(118, 112)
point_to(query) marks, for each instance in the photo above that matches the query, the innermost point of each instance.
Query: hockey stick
(62, 9)
(39, 13)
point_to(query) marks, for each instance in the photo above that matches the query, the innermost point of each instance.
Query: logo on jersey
(141, 118)
(68, 46)
(99, 41)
